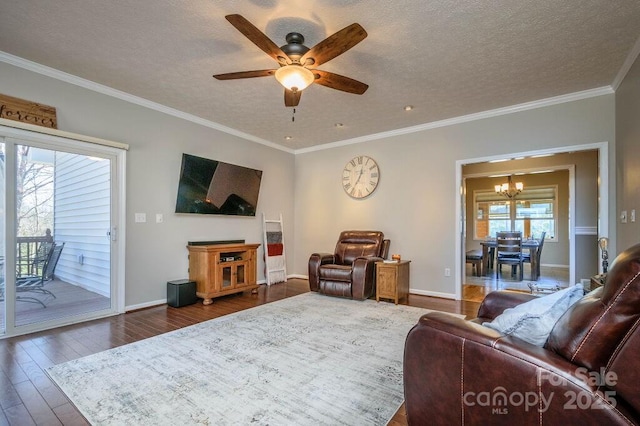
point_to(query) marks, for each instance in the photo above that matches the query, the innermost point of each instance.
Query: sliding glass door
(59, 247)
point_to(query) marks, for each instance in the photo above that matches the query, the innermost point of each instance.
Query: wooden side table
(392, 280)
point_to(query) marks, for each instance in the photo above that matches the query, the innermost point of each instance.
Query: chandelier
(509, 189)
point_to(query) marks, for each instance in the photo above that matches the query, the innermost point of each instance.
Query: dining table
(488, 252)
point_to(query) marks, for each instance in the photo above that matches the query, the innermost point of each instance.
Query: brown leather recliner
(350, 270)
(588, 372)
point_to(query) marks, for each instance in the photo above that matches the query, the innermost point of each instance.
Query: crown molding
(626, 65)
(571, 97)
(105, 90)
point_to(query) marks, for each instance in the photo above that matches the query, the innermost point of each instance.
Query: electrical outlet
(447, 272)
(140, 217)
(623, 216)
(159, 218)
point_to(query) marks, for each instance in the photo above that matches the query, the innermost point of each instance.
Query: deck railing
(31, 252)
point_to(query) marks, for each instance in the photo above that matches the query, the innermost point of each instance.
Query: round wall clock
(360, 176)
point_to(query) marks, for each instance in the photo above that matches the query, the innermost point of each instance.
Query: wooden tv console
(221, 269)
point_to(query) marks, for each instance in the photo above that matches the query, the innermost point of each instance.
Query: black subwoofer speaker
(181, 293)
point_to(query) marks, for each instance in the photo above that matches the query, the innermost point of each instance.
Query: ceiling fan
(295, 60)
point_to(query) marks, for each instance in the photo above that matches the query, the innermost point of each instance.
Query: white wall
(156, 253)
(628, 145)
(414, 204)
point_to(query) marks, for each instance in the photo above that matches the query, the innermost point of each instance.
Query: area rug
(304, 360)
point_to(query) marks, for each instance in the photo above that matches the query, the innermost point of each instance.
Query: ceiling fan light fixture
(294, 77)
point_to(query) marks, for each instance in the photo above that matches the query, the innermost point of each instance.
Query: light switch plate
(159, 218)
(633, 215)
(623, 216)
(141, 217)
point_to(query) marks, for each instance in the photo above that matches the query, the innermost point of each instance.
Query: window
(531, 212)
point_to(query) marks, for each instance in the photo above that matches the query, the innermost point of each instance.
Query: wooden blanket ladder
(274, 250)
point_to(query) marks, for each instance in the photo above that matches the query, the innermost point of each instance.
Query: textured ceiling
(448, 58)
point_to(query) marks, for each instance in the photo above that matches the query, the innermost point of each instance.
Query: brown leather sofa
(350, 270)
(587, 373)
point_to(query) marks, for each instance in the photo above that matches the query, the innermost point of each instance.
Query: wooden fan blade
(335, 45)
(339, 82)
(258, 38)
(244, 74)
(291, 98)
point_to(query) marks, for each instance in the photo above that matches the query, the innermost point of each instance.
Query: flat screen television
(213, 187)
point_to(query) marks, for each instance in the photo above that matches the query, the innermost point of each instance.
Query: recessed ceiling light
(338, 124)
(408, 107)
(288, 138)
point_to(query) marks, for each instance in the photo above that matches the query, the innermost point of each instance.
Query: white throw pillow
(533, 321)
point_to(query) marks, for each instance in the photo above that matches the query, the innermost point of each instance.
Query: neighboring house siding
(82, 220)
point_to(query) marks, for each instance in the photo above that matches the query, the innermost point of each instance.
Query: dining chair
(474, 257)
(526, 257)
(509, 251)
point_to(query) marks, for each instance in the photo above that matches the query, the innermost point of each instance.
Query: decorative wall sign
(27, 112)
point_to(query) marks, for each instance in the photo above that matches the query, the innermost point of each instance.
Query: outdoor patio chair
(36, 283)
(42, 254)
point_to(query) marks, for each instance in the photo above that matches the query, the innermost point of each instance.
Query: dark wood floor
(27, 395)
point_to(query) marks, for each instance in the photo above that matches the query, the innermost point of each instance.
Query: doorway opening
(567, 199)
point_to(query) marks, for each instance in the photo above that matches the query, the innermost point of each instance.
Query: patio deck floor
(70, 300)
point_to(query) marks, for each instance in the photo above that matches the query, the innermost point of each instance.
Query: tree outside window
(34, 191)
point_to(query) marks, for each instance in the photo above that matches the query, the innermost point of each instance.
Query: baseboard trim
(303, 277)
(548, 265)
(411, 291)
(429, 293)
(145, 305)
